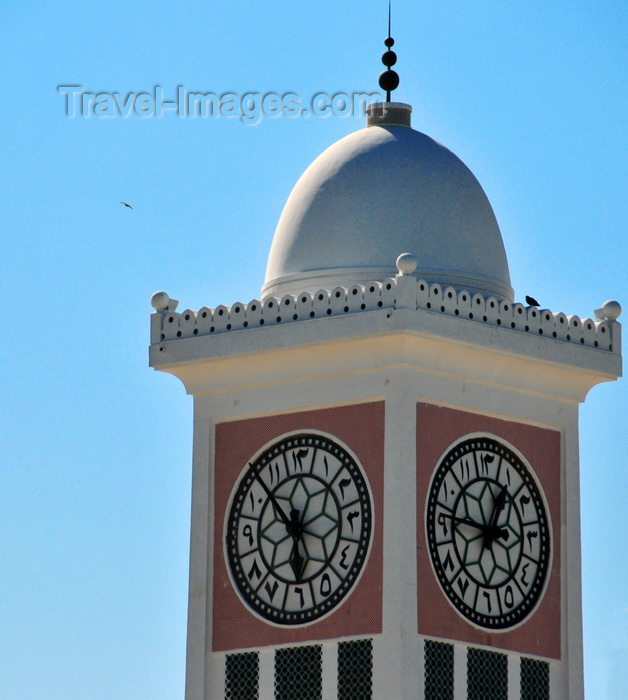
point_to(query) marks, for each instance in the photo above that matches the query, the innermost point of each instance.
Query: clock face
(488, 532)
(298, 528)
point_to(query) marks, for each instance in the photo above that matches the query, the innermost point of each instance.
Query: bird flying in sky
(126, 205)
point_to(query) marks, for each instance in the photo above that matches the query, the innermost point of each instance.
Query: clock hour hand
(294, 526)
(492, 532)
(294, 530)
(296, 561)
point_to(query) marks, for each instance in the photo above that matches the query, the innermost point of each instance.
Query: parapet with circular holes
(403, 291)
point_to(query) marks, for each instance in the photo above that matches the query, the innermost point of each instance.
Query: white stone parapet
(402, 291)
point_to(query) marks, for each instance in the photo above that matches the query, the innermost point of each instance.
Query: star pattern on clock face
(494, 564)
(488, 532)
(298, 528)
(319, 515)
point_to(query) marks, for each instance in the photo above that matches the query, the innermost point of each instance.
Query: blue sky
(95, 478)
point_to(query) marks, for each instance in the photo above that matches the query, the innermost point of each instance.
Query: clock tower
(385, 496)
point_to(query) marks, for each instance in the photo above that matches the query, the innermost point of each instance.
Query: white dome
(377, 193)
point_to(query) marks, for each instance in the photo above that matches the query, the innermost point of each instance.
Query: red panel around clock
(438, 427)
(361, 428)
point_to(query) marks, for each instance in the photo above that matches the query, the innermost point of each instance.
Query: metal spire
(389, 79)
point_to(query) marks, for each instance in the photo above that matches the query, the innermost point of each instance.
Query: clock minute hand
(293, 526)
(500, 501)
(491, 531)
(466, 521)
(288, 523)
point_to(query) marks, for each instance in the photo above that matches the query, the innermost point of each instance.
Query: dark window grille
(487, 675)
(242, 676)
(298, 673)
(534, 680)
(355, 670)
(439, 671)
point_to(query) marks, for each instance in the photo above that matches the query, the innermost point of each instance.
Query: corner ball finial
(406, 264)
(161, 302)
(610, 311)
(389, 79)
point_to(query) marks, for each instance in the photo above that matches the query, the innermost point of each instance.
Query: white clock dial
(488, 532)
(298, 529)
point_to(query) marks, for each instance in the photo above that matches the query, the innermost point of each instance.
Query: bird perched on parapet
(126, 205)
(531, 301)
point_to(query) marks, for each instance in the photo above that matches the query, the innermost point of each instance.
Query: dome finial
(389, 79)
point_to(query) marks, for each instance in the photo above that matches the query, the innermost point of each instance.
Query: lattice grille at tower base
(298, 673)
(344, 671)
(355, 670)
(242, 676)
(534, 680)
(439, 671)
(487, 675)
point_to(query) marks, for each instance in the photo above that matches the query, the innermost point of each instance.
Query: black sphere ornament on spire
(389, 79)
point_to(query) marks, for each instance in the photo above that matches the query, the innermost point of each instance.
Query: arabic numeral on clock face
(532, 541)
(485, 603)
(299, 591)
(345, 488)
(253, 500)
(464, 588)
(254, 572)
(464, 470)
(252, 569)
(448, 563)
(344, 556)
(325, 465)
(512, 477)
(324, 585)
(527, 574)
(342, 485)
(272, 592)
(273, 475)
(462, 583)
(352, 517)
(247, 540)
(298, 459)
(487, 462)
(444, 522)
(298, 597)
(344, 561)
(509, 597)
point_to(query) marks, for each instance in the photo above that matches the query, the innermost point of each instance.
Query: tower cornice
(399, 322)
